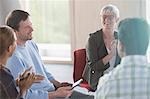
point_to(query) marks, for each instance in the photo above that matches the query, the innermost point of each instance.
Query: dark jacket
(95, 51)
(7, 85)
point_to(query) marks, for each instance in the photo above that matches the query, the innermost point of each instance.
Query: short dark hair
(15, 17)
(7, 38)
(134, 35)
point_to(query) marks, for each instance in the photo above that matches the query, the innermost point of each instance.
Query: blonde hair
(111, 8)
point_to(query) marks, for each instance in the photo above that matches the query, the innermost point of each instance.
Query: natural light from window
(148, 18)
(51, 21)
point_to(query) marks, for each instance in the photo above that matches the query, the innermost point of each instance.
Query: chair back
(79, 63)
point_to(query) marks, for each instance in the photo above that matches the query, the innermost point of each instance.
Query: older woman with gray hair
(101, 51)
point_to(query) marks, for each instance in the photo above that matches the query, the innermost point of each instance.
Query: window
(147, 10)
(50, 20)
(148, 18)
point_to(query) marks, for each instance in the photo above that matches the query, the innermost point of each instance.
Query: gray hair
(111, 8)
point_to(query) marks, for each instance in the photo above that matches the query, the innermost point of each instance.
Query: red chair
(79, 64)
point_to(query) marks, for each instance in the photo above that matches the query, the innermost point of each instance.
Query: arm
(8, 91)
(49, 75)
(9, 88)
(56, 83)
(51, 78)
(60, 92)
(102, 86)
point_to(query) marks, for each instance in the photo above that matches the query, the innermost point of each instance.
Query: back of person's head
(110, 8)
(15, 17)
(134, 33)
(7, 38)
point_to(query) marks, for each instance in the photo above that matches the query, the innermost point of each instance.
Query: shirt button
(93, 71)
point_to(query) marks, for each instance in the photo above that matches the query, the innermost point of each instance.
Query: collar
(134, 59)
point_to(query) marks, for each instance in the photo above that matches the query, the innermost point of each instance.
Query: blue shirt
(25, 57)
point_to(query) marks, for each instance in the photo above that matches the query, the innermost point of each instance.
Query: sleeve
(36, 94)
(92, 54)
(102, 87)
(49, 75)
(8, 87)
(2, 91)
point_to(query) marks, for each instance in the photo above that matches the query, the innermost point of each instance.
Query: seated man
(27, 55)
(131, 78)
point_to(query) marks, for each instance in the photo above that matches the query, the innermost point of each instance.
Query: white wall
(0, 13)
(87, 20)
(7, 6)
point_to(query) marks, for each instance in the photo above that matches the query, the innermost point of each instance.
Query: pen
(24, 77)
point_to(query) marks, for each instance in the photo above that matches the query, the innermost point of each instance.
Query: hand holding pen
(26, 79)
(26, 74)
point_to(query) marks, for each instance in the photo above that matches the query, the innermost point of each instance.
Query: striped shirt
(129, 80)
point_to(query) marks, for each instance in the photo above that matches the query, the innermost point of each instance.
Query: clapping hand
(26, 79)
